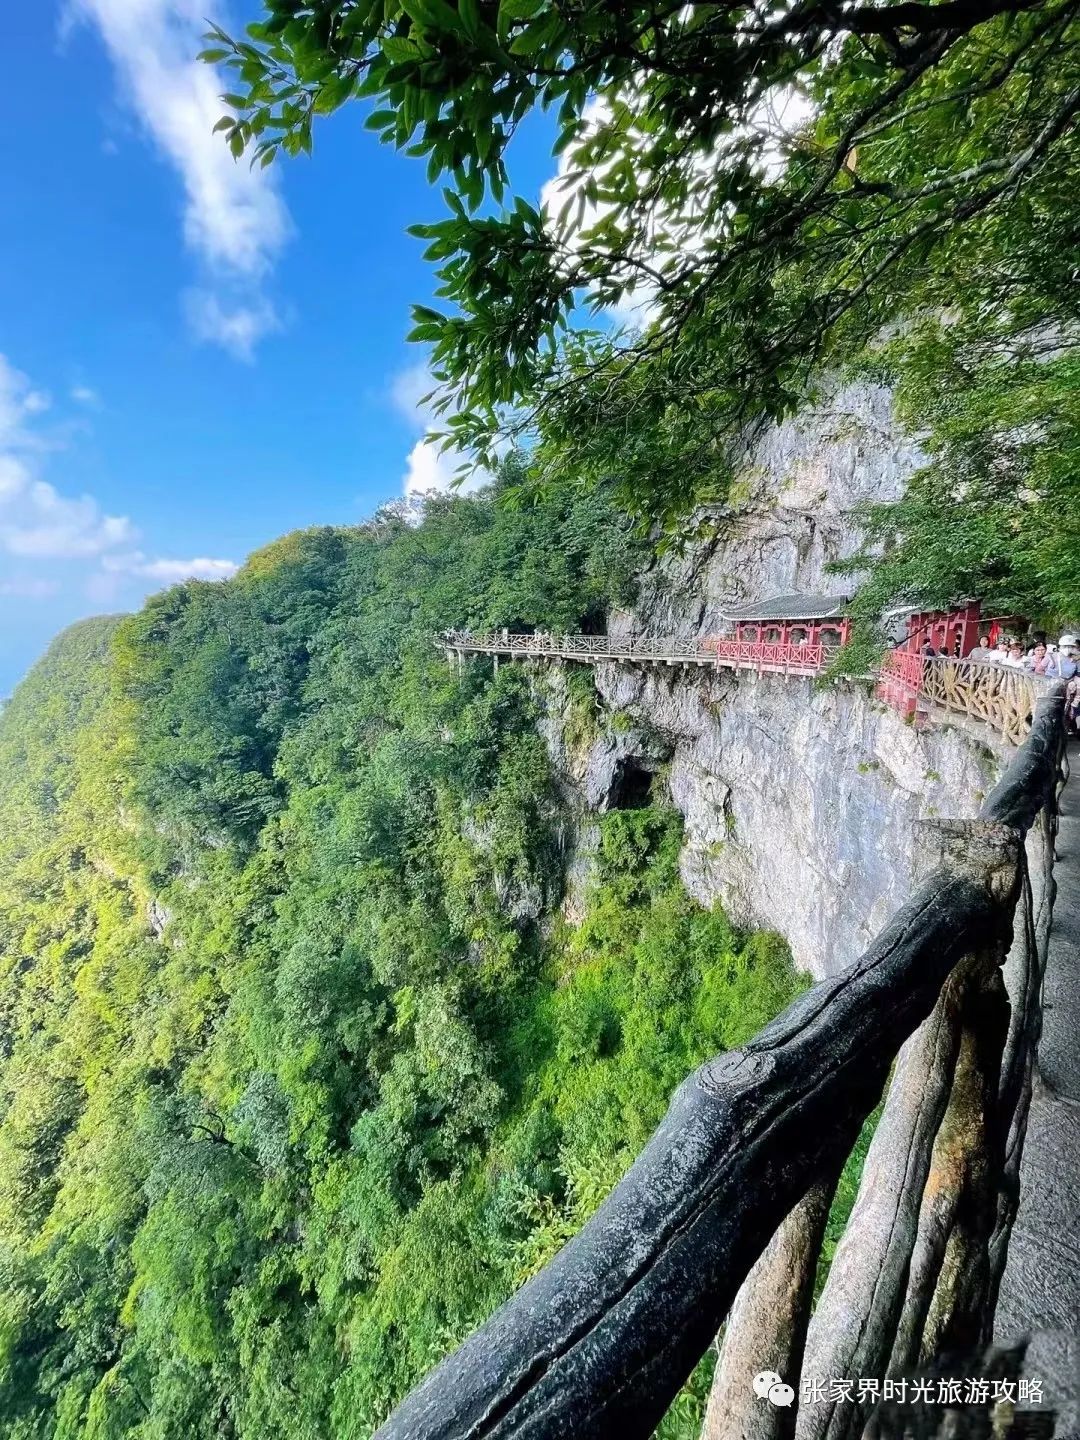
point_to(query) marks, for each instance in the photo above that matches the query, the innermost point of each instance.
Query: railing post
(766, 1327)
(913, 1267)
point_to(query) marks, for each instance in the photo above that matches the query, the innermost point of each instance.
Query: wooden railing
(722, 1215)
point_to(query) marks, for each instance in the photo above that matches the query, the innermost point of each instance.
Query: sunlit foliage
(302, 1070)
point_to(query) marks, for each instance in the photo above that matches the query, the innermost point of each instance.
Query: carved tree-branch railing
(722, 1214)
(999, 695)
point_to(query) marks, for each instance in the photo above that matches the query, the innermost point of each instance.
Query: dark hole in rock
(594, 621)
(632, 787)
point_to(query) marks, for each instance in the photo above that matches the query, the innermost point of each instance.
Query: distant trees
(301, 1071)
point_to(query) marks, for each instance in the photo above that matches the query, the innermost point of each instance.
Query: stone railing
(722, 1215)
(1000, 696)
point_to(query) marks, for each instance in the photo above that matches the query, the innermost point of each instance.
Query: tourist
(1040, 661)
(1066, 661)
(982, 650)
(1072, 705)
(1015, 657)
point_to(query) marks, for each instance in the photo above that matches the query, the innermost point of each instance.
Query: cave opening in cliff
(632, 787)
(594, 621)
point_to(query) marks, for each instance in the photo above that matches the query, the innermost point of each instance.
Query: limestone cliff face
(792, 513)
(799, 801)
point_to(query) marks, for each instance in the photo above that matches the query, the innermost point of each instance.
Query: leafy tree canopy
(302, 1068)
(932, 168)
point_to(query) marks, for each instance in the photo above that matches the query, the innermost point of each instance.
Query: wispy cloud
(40, 524)
(29, 587)
(237, 328)
(36, 521)
(428, 468)
(169, 572)
(234, 219)
(19, 401)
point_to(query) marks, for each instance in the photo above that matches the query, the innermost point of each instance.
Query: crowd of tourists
(1036, 656)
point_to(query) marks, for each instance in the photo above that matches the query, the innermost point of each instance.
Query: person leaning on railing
(1067, 658)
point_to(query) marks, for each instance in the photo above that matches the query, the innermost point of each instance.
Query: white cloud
(233, 214)
(407, 391)
(237, 329)
(19, 402)
(84, 395)
(428, 468)
(39, 523)
(169, 572)
(36, 521)
(234, 219)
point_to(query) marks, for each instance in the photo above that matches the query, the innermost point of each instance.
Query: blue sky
(194, 359)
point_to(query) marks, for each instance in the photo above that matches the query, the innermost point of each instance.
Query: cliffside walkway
(774, 657)
(994, 695)
(1040, 1290)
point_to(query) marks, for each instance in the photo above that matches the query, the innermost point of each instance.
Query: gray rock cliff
(799, 800)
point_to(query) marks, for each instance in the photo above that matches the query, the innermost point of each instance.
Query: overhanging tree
(771, 184)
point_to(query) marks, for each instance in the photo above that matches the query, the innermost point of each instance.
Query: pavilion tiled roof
(790, 607)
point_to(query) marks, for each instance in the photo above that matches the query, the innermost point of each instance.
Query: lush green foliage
(933, 164)
(995, 512)
(301, 1071)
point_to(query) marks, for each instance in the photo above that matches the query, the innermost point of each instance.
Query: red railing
(769, 654)
(902, 674)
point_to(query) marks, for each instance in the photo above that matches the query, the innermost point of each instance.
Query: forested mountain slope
(301, 1068)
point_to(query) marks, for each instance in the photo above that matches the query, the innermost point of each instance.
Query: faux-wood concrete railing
(724, 1209)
